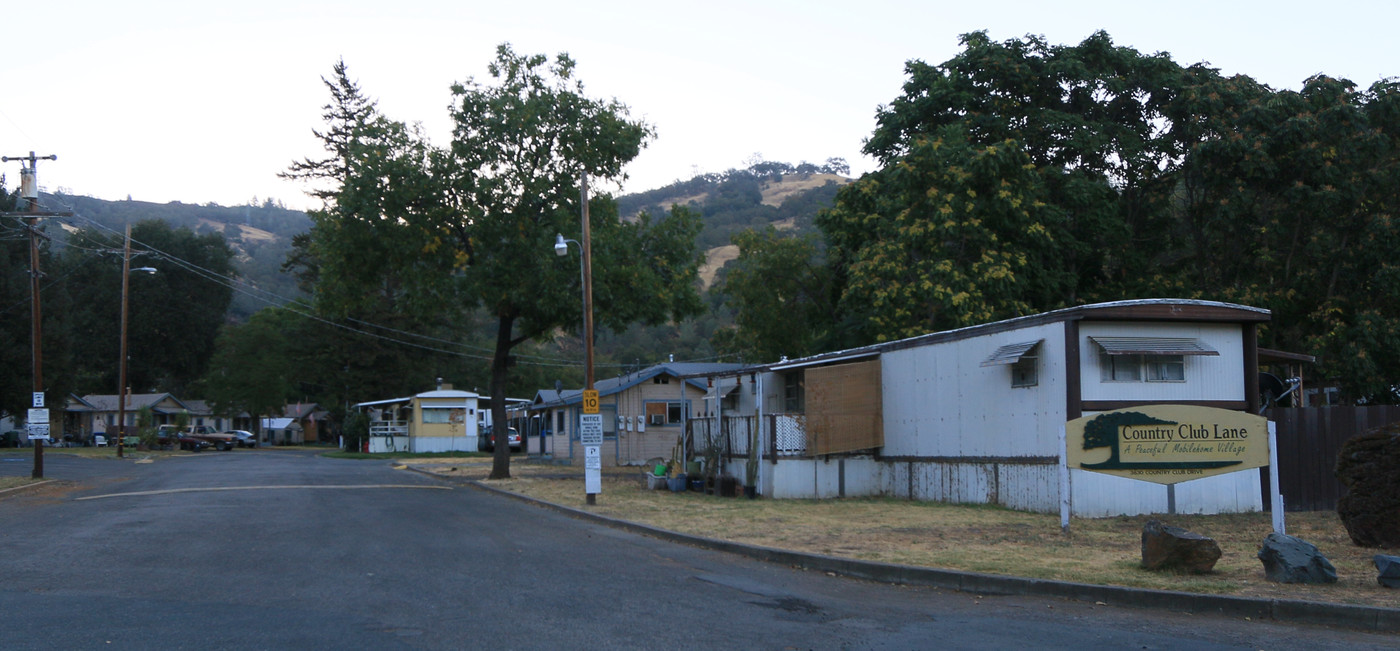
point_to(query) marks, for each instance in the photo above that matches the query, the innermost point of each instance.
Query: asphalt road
(287, 550)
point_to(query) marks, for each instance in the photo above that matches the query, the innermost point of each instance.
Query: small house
(644, 413)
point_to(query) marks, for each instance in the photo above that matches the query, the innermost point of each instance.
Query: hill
(767, 193)
(260, 235)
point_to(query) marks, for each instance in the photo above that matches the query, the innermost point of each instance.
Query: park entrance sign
(1167, 444)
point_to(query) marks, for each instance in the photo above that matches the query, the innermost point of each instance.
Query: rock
(1387, 570)
(1174, 548)
(1293, 560)
(1369, 466)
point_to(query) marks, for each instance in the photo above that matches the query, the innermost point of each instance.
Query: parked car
(99, 440)
(243, 438)
(486, 441)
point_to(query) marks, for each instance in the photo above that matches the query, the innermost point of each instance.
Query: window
(663, 413)
(442, 415)
(1165, 368)
(1120, 368)
(1022, 359)
(792, 392)
(661, 379)
(1140, 368)
(1023, 372)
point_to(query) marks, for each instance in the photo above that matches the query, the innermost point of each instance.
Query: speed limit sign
(590, 401)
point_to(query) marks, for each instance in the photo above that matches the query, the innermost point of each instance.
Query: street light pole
(561, 247)
(121, 388)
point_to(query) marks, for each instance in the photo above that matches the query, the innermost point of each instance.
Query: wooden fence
(1308, 441)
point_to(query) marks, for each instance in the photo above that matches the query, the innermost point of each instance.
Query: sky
(206, 102)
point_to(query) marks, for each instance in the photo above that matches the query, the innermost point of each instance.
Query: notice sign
(39, 416)
(590, 429)
(592, 470)
(38, 431)
(1167, 444)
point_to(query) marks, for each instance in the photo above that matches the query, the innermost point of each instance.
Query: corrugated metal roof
(1011, 353)
(1153, 346)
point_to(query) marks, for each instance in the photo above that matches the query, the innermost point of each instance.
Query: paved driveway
(283, 549)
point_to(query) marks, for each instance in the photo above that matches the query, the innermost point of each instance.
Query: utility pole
(29, 191)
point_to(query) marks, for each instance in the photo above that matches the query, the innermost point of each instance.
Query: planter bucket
(676, 484)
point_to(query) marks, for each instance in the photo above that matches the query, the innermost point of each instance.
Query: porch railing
(388, 428)
(728, 436)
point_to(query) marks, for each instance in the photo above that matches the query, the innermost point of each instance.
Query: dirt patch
(775, 193)
(1104, 551)
(715, 259)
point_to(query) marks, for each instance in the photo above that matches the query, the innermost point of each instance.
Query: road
(284, 549)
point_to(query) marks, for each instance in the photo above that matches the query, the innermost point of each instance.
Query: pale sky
(206, 102)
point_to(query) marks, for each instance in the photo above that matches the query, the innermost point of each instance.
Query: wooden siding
(844, 408)
(1308, 442)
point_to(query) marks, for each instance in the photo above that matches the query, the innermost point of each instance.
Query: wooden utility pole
(29, 191)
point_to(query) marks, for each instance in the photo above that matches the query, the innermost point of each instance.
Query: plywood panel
(844, 408)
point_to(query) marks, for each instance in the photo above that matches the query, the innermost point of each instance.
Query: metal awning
(1153, 346)
(1011, 353)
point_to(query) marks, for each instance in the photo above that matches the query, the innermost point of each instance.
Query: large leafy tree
(252, 367)
(953, 234)
(174, 315)
(1304, 182)
(780, 280)
(472, 226)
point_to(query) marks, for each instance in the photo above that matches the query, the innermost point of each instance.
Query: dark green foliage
(174, 314)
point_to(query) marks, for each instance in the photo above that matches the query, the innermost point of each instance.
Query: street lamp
(592, 479)
(121, 389)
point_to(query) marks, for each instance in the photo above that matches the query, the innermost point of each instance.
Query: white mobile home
(975, 414)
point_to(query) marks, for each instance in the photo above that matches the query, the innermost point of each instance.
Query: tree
(174, 315)
(953, 234)
(252, 368)
(776, 283)
(472, 226)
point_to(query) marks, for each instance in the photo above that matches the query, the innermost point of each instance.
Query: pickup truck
(222, 440)
(194, 439)
(169, 436)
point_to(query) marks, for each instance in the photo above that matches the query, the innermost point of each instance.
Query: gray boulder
(1293, 560)
(1387, 570)
(1174, 548)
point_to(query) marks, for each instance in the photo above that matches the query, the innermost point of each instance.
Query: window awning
(1011, 353)
(1153, 346)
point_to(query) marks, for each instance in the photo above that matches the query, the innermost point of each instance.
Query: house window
(661, 379)
(664, 413)
(1023, 372)
(1165, 368)
(1139, 368)
(792, 392)
(436, 416)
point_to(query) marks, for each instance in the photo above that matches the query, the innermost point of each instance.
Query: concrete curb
(1365, 618)
(17, 490)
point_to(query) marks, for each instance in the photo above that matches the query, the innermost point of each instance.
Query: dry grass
(15, 482)
(775, 193)
(993, 540)
(715, 259)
